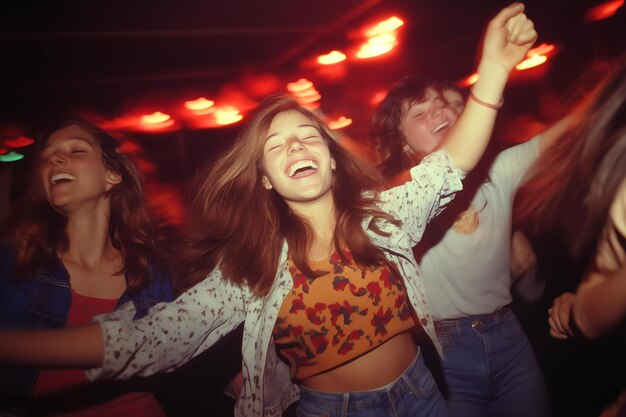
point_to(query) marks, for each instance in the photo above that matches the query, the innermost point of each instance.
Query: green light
(11, 157)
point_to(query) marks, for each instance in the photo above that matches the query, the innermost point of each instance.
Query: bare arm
(600, 303)
(601, 297)
(80, 346)
(508, 38)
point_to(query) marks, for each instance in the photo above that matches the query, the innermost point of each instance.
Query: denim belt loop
(345, 404)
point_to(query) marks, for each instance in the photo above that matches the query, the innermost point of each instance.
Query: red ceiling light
(300, 85)
(19, 142)
(3, 151)
(469, 80)
(385, 26)
(378, 97)
(227, 115)
(603, 11)
(339, 122)
(376, 46)
(155, 118)
(333, 57)
(531, 62)
(304, 91)
(543, 49)
(200, 105)
(156, 121)
(536, 56)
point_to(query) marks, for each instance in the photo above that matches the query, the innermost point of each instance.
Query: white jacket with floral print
(173, 333)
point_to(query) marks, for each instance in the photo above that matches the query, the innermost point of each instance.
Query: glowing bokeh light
(378, 97)
(376, 46)
(309, 97)
(227, 115)
(200, 104)
(531, 62)
(543, 49)
(3, 151)
(386, 26)
(300, 85)
(339, 123)
(603, 11)
(469, 80)
(20, 142)
(155, 118)
(333, 57)
(11, 157)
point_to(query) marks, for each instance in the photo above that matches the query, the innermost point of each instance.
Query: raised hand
(509, 36)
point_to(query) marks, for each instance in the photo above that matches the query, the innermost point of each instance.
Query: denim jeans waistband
(373, 397)
(477, 322)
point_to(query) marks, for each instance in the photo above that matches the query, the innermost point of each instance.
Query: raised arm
(600, 303)
(508, 38)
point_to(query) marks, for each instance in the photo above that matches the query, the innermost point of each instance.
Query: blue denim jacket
(43, 302)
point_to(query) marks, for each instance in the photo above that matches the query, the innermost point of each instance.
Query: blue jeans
(413, 394)
(490, 368)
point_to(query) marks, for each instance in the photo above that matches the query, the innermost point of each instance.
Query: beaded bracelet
(484, 103)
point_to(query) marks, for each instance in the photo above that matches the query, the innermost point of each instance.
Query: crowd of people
(309, 282)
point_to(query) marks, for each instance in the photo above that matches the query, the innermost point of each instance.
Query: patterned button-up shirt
(175, 332)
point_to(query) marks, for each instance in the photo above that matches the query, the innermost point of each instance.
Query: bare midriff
(372, 370)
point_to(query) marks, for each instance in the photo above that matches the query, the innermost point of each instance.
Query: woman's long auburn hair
(37, 232)
(239, 226)
(573, 184)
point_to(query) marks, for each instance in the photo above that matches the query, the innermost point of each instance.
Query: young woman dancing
(297, 244)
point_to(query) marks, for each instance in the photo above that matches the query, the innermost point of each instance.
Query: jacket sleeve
(171, 333)
(432, 186)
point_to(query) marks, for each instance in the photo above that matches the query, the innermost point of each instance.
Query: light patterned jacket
(175, 332)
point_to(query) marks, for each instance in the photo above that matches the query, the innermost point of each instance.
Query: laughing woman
(81, 244)
(296, 243)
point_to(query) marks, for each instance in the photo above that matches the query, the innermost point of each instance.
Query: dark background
(134, 57)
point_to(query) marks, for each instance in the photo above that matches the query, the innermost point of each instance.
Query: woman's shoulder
(617, 212)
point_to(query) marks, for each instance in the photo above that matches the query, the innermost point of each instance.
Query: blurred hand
(560, 315)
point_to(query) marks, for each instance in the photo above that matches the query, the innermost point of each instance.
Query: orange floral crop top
(329, 320)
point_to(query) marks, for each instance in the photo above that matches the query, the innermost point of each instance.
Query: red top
(58, 391)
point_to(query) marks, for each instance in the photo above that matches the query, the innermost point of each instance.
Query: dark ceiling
(114, 57)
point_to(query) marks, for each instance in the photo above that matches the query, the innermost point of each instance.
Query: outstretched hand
(509, 36)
